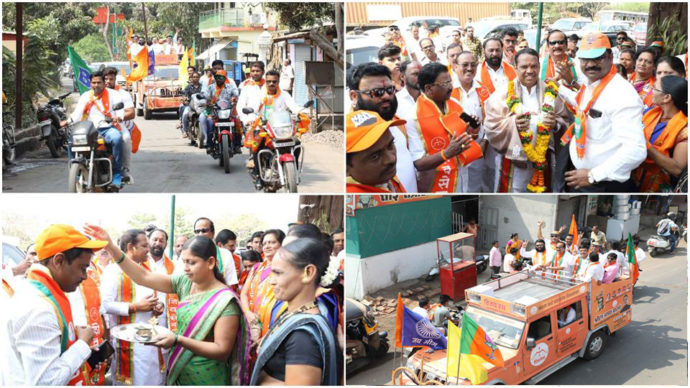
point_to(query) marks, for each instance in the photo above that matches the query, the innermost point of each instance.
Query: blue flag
(418, 331)
(152, 62)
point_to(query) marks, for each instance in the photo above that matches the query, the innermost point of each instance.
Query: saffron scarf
(578, 129)
(508, 70)
(40, 277)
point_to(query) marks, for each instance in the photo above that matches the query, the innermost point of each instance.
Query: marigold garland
(536, 155)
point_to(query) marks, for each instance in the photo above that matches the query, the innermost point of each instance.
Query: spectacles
(378, 92)
(202, 230)
(555, 42)
(271, 82)
(620, 38)
(467, 65)
(444, 84)
(658, 90)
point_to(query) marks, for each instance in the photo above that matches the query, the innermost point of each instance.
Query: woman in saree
(257, 298)
(212, 341)
(643, 76)
(666, 131)
(300, 348)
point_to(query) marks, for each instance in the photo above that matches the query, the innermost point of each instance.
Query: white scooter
(657, 245)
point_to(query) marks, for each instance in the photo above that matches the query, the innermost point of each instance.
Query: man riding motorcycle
(271, 99)
(221, 90)
(194, 87)
(127, 128)
(666, 227)
(94, 106)
(251, 93)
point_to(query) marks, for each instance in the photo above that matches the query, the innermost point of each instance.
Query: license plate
(224, 124)
(81, 149)
(44, 122)
(651, 243)
(284, 143)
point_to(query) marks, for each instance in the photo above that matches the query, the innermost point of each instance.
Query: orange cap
(59, 238)
(221, 72)
(364, 128)
(593, 45)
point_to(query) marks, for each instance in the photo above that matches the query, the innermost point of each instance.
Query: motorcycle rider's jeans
(671, 238)
(206, 125)
(126, 148)
(113, 137)
(185, 119)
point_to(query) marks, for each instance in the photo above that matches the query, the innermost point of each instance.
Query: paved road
(651, 350)
(166, 163)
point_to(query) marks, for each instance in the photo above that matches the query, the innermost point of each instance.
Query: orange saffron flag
(398, 323)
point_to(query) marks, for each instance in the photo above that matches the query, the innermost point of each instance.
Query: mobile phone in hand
(104, 351)
(469, 120)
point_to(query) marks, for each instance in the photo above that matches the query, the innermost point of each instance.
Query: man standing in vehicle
(95, 106)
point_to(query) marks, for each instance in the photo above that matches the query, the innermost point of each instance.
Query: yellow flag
(184, 63)
(471, 366)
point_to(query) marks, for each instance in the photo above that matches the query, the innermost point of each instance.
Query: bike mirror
(247, 110)
(118, 106)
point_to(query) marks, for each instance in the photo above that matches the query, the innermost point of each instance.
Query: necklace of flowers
(535, 154)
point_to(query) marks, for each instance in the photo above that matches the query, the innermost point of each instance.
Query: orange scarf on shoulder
(105, 100)
(486, 81)
(355, 187)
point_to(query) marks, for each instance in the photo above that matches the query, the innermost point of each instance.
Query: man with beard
(371, 89)
(494, 72)
(509, 38)
(158, 240)
(538, 254)
(607, 139)
(389, 56)
(503, 127)
(371, 158)
(472, 96)
(442, 143)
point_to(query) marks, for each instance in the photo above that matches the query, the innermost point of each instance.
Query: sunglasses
(271, 82)
(378, 92)
(555, 42)
(202, 230)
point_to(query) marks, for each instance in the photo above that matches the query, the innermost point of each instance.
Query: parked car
(11, 255)
(362, 48)
(639, 34)
(486, 28)
(570, 25)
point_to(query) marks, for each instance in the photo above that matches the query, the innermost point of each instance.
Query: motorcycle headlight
(224, 114)
(283, 131)
(79, 139)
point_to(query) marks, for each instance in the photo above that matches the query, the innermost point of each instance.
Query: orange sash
(355, 187)
(580, 133)
(539, 258)
(432, 310)
(650, 176)
(251, 82)
(105, 100)
(51, 291)
(7, 288)
(172, 300)
(92, 305)
(645, 92)
(218, 91)
(437, 129)
(508, 70)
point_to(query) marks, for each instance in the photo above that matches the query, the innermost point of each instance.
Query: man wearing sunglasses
(503, 127)
(372, 89)
(621, 38)
(442, 142)
(223, 89)
(607, 139)
(203, 226)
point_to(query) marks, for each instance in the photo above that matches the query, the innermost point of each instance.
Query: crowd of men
(98, 299)
(587, 258)
(473, 116)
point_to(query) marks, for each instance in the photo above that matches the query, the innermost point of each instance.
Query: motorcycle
(223, 124)
(197, 106)
(49, 117)
(279, 156)
(91, 167)
(481, 262)
(364, 341)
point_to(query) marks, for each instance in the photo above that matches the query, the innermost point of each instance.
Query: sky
(37, 211)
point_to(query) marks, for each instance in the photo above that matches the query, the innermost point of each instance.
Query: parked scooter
(49, 117)
(481, 261)
(658, 244)
(91, 167)
(364, 341)
(279, 156)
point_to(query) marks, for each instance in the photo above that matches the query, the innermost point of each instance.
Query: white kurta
(472, 174)
(146, 368)
(405, 170)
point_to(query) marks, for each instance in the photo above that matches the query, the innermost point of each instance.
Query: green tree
(297, 16)
(92, 49)
(142, 220)
(183, 223)
(243, 225)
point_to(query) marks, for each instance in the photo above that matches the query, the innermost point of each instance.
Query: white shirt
(407, 108)
(127, 100)
(286, 75)
(167, 48)
(425, 60)
(31, 342)
(538, 258)
(179, 48)
(145, 359)
(498, 77)
(250, 97)
(157, 48)
(283, 102)
(508, 260)
(229, 272)
(615, 143)
(640, 255)
(95, 115)
(205, 82)
(594, 271)
(471, 104)
(421, 311)
(570, 317)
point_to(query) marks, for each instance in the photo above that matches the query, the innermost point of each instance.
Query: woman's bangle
(121, 259)
(443, 155)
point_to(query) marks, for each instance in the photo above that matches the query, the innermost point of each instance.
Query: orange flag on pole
(573, 230)
(141, 70)
(399, 323)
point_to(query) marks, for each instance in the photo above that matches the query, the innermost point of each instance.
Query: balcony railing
(228, 17)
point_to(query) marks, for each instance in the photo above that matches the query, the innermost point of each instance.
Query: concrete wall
(520, 214)
(368, 275)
